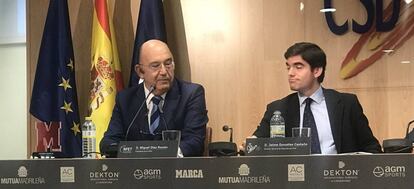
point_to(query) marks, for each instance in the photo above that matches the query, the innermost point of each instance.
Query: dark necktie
(155, 114)
(309, 121)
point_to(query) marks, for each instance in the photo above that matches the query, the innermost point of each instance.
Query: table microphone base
(222, 149)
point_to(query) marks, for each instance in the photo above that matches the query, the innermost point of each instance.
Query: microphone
(227, 128)
(410, 134)
(223, 148)
(404, 145)
(139, 110)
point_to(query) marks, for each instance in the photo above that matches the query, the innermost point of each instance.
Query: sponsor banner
(335, 171)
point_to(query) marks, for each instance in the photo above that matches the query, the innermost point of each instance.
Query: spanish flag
(106, 79)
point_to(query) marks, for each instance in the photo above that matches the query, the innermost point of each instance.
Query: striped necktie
(155, 114)
(309, 121)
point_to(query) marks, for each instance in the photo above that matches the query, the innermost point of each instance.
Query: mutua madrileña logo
(244, 177)
(23, 178)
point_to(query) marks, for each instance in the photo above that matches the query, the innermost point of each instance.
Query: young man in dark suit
(337, 121)
(171, 104)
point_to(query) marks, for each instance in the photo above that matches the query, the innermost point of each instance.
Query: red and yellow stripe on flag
(106, 77)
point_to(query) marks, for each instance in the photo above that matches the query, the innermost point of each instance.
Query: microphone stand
(139, 110)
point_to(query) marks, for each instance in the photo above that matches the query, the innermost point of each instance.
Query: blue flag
(150, 26)
(54, 99)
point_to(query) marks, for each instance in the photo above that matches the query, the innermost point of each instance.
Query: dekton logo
(104, 176)
(389, 171)
(189, 173)
(341, 174)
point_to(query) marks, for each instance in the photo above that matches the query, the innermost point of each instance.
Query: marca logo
(244, 178)
(189, 173)
(105, 176)
(22, 178)
(389, 171)
(296, 172)
(341, 174)
(67, 174)
(147, 174)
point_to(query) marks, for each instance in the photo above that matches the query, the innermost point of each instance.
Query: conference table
(394, 171)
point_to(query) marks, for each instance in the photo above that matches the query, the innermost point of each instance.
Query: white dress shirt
(321, 116)
(150, 104)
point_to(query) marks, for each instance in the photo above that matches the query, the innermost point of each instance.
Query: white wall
(12, 21)
(13, 102)
(13, 94)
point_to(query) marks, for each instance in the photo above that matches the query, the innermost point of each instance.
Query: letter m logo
(48, 136)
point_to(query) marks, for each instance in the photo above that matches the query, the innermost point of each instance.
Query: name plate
(153, 148)
(278, 146)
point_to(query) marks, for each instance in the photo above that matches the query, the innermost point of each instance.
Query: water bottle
(88, 139)
(277, 125)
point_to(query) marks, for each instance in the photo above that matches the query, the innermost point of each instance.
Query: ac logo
(296, 172)
(67, 174)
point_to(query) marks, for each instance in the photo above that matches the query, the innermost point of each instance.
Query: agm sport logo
(389, 171)
(147, 174)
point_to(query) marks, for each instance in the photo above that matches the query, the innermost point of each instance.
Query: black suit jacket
(349, 125)
(184, 109)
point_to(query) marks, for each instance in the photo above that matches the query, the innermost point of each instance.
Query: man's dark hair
(311, 53)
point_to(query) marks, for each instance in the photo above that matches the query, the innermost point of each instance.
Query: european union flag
(54, 98)
(151, 25)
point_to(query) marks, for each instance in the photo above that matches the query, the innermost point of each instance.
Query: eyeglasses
(156, 66)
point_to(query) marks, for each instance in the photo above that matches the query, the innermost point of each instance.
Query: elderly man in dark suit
(337, 121)
(171, 104)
